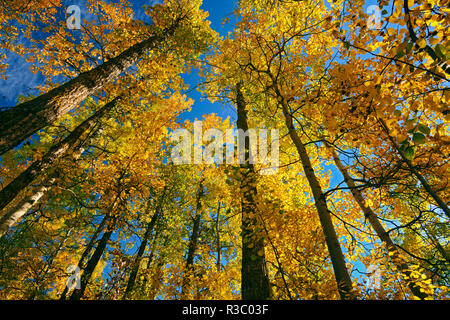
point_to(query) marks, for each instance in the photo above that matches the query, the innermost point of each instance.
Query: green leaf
(409, 47)
(399, 54)
(397, 113)
(424, 129)
(409, 153)
(418, 138)
(440, 51)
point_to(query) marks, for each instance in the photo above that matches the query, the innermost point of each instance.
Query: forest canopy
(169, 150)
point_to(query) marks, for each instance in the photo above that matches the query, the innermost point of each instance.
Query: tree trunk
(151, 257)
(143, 246)
(218, 245)
(158, 274)
(342, 276)
(8, 193)
(255, 283)
(87, 251)
(17, 212)
(376, 225)
(441, 204)
(22, 121)
(77, 294)
(186, 283)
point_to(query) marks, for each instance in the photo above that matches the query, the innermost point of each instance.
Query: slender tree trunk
(441, 204)
(77, 294)
(151, 257)
(414, 39)
(255, 280)
(44, 272)
(143, 246)
(435, 242)
(87, 251)
(22, 121)
(158, 275)
(219, 247)
(17, 212)
(337, 257)
(8, 193)
(377, 226)
(192, 247)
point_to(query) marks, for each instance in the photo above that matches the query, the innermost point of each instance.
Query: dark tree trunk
(143, 246)
(255, 281)
(77, 294)
(377, 226)
(186, 285)
(218, 245)
(344, 283)
(87, 251)
(415, 172)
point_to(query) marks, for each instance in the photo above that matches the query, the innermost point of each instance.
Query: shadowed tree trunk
(377, 226)
(77, 294)
(218, 245)
(8, 193)
(150, 258)
(23, 120)
(87, 251)
(342, 276)
(441, 204)
(255, 283)
(13, 215)
(158, 274)
(143, 245)
(189, 269)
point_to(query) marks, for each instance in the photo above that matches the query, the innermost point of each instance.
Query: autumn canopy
(282, 150)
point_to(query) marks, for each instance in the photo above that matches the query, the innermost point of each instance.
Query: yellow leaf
(422, 43)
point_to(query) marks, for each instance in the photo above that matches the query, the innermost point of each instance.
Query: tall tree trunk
(151, 257)
(77, 294)
(218, 245)
(87, 251)
(435, 242)
(189, 268)
(342, 276)
(414, 38)
(22, 121)
(158, 275)
(377, 226)
(255, 283)
(441, 204)
(143, 245)
(17, 212)
(8, 193)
